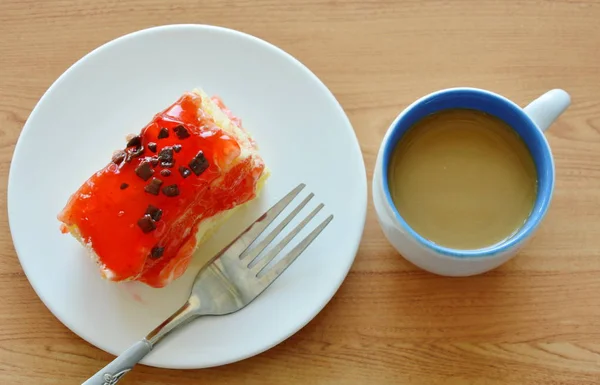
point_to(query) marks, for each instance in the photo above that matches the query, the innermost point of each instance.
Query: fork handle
(113, 372)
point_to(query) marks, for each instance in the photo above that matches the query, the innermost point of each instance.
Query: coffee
(463, 179)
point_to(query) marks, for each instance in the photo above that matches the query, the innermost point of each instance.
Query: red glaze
(106, 215)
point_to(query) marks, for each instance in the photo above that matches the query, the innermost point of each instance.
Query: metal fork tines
(237, 275)
(251, 254)
(242, 266)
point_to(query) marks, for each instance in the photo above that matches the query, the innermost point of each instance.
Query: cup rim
(542, 202)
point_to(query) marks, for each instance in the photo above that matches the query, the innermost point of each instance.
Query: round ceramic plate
(303, 135)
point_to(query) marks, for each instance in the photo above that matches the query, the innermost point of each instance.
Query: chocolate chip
(163, 133)
(184, 171)
(181, 132)
(152, 147)
(144, 170)
(154, 186)
(165, 172)
(171, 190)
(146, 224)
(154, 212)
(119, 156)
(177, 147)
(154, 161)
(136, 141)
(135, 151)
(166, 157)
(199, 164)
(157, 252)
(166, 154)
(123, 186)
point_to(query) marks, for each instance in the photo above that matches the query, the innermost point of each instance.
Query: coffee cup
(529, 123)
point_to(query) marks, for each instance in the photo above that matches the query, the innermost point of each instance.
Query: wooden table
(535, 320)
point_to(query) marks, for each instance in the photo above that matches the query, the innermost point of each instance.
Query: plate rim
(206, 27)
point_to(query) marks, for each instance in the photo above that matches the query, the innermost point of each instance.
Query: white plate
(303, 134)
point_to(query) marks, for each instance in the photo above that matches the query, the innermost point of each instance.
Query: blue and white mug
(529, 122)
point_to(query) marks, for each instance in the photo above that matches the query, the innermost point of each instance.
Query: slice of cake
(144, 214)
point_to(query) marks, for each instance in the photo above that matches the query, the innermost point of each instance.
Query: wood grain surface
(535, 320)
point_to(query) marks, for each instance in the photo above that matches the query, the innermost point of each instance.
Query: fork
(237, 275)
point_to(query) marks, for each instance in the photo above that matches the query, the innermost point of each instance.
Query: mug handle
(548, 107)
